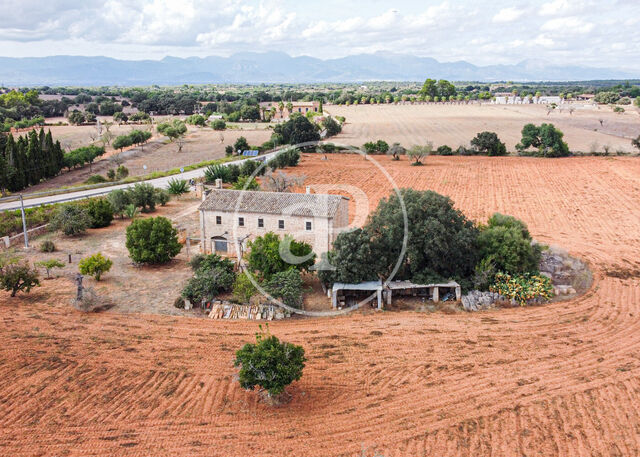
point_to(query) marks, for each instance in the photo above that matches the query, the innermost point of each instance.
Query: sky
(603, 33)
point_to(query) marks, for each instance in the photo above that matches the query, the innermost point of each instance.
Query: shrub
(178, 186)
(240, 145)
(100, 212)
(444, 150)
(228, 150)
(269, 364)
(95, 179)
(130, 211)
(49, 265)
(70, 219)
(18, 277)
(489, 144)
(376, 147)
(243, 288)
(143, 195)
(507, 250)
(523, 288)
(119, 200)
(331, 126)
(266, 255)
(152, 240)
(122, 172)
(218, 124)
(287, 287)
(213, 275)
(95, 265)
(162, 196)
(244, 183)
(47, 246)
(179, 303)
(546, 139)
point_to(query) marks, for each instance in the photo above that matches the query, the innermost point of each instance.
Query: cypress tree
(34, 155)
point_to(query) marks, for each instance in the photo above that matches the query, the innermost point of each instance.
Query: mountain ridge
(278, 67)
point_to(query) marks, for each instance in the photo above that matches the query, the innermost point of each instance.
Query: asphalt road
(78, 195)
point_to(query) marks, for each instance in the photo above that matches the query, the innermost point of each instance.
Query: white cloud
(508, 15)
(568, 26)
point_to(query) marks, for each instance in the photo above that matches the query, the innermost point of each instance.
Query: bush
(143, 195)
(122, 172)
(70, 219)
(100, 212)
(47, 246)
(213, 276)
(95, 179)
(508, 251)
(444, 150)
(244, 183)
(266, 255)
(240, 145)
(269, 364)
(18, 277)
(153, 240)
(95, 265)
(488, 143)
(162, 196)
(243, 288)
(523, 288)
(376, 147)
(228, 150)
(119, 199)
(179, 303)
(213, 172)
(331, 126)
(287, 287)
(218, 124)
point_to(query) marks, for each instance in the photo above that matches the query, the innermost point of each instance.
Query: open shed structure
(342, 293)
(432, 291)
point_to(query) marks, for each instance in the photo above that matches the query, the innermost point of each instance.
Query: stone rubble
(263, 311)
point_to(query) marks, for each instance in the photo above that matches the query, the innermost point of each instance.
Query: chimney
(308, 189)
(218, 183)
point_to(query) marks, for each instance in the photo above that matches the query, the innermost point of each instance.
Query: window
(218, 220)
(241, 221)
(307, 225)
(281, 224)
(260, 223)
(219, 244)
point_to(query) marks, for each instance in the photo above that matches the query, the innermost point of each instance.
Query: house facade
(231, 218)
(296, 107)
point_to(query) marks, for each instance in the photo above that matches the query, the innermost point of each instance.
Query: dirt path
(556, 380)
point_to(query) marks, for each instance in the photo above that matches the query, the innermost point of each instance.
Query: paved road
(77, 195)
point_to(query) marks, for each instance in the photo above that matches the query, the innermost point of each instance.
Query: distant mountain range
(277, 67)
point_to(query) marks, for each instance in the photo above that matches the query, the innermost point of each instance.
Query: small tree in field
(488, 143)
(269, 364)
(152, 240)
(417, 153)
(18, 277)
(95, 265)
(49, 265)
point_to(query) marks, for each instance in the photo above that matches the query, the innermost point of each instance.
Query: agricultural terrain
(556, 380)
(456, 125)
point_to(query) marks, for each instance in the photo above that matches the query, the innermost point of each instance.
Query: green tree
(269, 255)
(152, 240)
(353, 258)
(49, 265)
(286, 286)
(331, 126)
(76, 117)
(417, 152)
(143, 195)
(546, 139)
(70, 219)
(240, 145)
(95, 265)
(100, 212)
(488, 143)
(246, 183)
(119, 200)
(218, 124)
(18, 277)
(121, 142)
(269, 364)
(213, 275)
(430, 88)
(297, 130)
(243, 288)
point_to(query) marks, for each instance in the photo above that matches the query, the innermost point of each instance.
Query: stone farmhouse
(230, 218)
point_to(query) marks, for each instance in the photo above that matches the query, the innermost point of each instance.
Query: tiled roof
(227, 200)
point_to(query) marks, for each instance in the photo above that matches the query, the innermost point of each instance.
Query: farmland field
(454, 125)
(556, 380)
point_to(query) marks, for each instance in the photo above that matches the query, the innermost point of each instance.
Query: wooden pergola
(430, 290)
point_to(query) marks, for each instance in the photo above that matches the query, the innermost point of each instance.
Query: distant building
(316, 219)
(297, 107)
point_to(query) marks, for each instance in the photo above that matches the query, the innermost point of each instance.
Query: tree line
(28, 160)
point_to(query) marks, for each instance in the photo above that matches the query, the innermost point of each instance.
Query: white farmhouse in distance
(230, 218)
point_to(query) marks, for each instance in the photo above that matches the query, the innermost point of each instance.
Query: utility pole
(24, 223)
